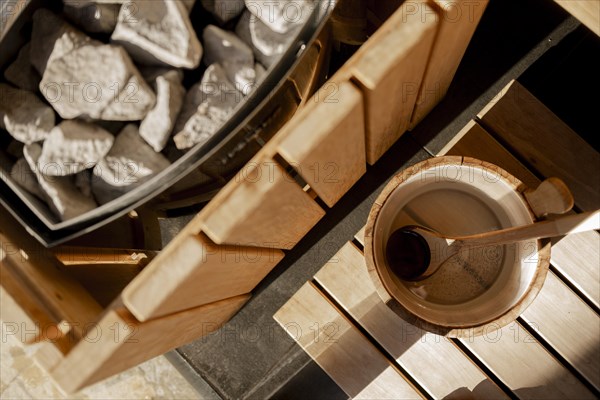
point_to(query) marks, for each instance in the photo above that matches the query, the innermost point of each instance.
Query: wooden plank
(360, 236)
(119, 341)
(458, 21)
(516, 357)
(104, 273)
(389, 68)
(340, 349)
(537, 136)
(571, 327)
(474, 141)
(576, 256)
(586, 11)
(39, 271)
(325, 143)
(266, 208)
(194, 273)
(418, 352)
(18, 322)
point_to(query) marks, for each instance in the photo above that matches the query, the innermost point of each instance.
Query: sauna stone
(99, 82)
(208, 104)
(235, 56)
(52, 38)
(21, 73)
(24, 115)
(93, 18)
(74, 146)
(62, 196)
(158, 125)
(130, 162)
(281, 16)
(268, 46)
(224, 10)
(159, 32)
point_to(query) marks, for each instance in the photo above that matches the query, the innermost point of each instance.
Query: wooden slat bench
(551, 351)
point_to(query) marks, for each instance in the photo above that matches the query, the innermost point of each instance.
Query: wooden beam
(119, 341)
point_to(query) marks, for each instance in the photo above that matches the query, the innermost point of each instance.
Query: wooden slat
(194, 273)
(576, 256)
(579, 254)
(545, 143)
(103, 272)
(586, 11)
(340, 349)
(474, 141)
(389, 69)
(418, 352)
(524, 365)
(119, 341)
(326, 142)
(458, 20)
(360, 236)
(573, 329)
(266, 208)
(39, 273)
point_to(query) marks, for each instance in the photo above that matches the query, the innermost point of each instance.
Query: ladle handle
(561, 226)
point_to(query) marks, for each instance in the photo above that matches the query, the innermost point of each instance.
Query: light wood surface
(571, 328)
(516, 357)
(213, 272)
(474, 141)
(326, 142)
(418, 352)
(457, 23)
(119, 341)
(266, 209)
(586, 11)
(537, 136)
(339, 348)
(576, 256)
(39, 275)
(103, 272)
(390, 74)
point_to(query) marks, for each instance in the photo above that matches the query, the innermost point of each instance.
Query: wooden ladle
(415, 252)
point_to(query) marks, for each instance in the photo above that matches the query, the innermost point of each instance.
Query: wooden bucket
(475, 292)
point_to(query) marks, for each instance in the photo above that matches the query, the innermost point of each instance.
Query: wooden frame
(207, 272)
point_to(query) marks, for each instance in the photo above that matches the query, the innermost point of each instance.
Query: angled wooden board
(346, 278)
(266, 208)
(119, 341)
(389, 69)
(325, 143)
(194, 273)
(458, 20)
(340, 349)
(39, 274)
(586, 11)
(544, 142)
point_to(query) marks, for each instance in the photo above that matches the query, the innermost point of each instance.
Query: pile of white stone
(84, 158)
